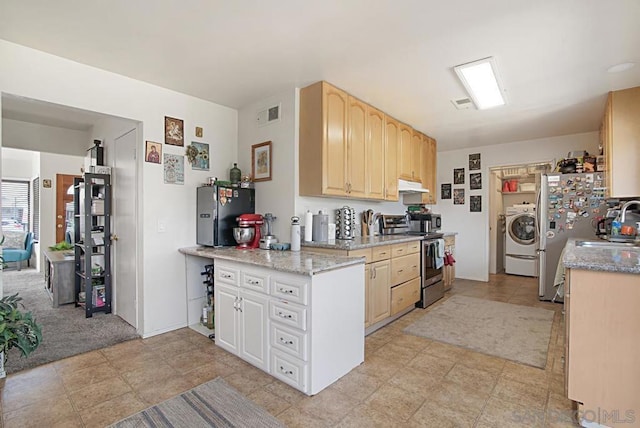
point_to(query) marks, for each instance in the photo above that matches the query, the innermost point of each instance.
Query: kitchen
(157, 307)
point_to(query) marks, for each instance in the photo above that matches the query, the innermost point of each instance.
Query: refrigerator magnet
(229, 193)
(235, 193)
(551, 234)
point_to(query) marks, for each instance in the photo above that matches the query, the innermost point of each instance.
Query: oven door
(430, 273)
(432, 284)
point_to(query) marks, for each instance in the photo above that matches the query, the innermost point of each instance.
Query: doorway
(64, 207)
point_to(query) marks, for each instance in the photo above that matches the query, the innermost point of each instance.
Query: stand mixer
(247, 234)
(268, 239)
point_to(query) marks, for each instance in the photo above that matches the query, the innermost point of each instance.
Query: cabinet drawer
(290, 290)
(255, 281)
(405, 295)
(365, 252)
(292, 342)
(227, 275)
(398, 250)
(288, 314)
(413, 247)
(289, 370)
(405, 268)
(381, 252)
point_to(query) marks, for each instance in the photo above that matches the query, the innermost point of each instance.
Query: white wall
(34, 74)
(472, 242)
(274, 196)
(43, 138)
(18, 164)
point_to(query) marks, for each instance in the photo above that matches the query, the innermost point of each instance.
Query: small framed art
(261, 161)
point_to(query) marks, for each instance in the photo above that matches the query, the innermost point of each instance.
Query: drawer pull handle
(253, 282)
(225, 275)
(285, 290)
(286, 342)
(283, 315)
(400, 270)
(287, 372)
(383, 254)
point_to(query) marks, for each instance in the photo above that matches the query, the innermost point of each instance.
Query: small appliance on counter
(345, 221)
(268, 238)
(247, 234)
(217, 209)
(424, 223)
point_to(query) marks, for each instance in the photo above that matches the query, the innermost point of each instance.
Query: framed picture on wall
(475, 181)
(474, 161)
(458, 196)
(458, 176)
(173, 131)
(446, 191)
(475, 203)
(261, 161)
(153, 152)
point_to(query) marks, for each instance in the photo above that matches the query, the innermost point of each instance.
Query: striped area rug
(212, 404)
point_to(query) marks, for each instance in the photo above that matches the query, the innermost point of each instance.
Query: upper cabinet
(620, 134)
(351, 149)
(404, 154)
(391, 152)
(428, 162)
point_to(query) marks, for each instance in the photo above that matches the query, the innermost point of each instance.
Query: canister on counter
(320, 227)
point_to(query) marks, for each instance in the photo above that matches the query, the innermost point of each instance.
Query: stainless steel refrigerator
(568, 207)
(218, 208)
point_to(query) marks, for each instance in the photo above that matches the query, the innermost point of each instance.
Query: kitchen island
(295, 315)
(602, 296)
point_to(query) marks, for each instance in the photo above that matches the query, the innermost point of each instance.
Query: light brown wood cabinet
(405, 295)
(378, 295)
(620, 136)
(404, 154)
(342, 145)
(416, 155)
(602, 347)
(428, 162)
(391, 150)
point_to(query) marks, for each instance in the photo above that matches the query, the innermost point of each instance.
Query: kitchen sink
(607, 244)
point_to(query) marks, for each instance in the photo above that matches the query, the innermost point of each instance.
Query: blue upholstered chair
(18, 255)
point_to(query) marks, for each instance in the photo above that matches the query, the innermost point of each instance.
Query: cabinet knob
(114, 237)
(59, 226)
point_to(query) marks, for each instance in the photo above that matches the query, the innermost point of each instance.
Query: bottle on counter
(295, 233)
(308, 226)
(235, 174)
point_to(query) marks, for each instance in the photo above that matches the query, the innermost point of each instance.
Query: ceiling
(552, 55)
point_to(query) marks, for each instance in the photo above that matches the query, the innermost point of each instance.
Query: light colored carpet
(212, 404)
(65, 330)
(514, 332)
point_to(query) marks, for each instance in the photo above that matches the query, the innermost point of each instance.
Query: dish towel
(558, 280)
(439, 253)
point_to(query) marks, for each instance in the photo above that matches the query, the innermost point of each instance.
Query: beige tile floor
(405, 381)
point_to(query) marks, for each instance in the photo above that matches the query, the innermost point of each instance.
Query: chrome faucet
(623, 211)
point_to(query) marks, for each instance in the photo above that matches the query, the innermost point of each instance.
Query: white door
(253, 329)
(124, 227)
(226, 319)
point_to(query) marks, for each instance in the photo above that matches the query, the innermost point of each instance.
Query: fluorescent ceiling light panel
(480, 80)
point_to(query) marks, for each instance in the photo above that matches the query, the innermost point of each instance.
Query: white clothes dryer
(521, 240)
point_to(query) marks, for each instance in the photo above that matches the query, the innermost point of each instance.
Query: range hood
(405, 186)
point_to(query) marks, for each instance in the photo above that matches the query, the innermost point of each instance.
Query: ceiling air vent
(463, 103)
(268, 115)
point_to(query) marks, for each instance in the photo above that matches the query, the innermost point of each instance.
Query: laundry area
(514, 237)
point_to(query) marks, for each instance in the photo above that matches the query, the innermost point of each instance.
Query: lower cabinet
(304, 330)
(378, 294)
(242, 329)
(405, 295)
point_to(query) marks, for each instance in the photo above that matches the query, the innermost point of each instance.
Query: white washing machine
(520, 248)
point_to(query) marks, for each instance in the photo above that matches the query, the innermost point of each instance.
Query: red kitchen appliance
(247, 233)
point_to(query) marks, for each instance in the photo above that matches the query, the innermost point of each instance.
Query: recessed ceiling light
(620, 67)
(480, 78)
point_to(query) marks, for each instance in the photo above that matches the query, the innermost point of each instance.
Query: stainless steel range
(432, 283)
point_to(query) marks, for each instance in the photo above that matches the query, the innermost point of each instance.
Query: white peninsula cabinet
(295, 315)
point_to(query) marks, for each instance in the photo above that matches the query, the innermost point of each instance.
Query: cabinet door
(623, 174)
(226, 318)
(428, 174)
(357, 149)
(375, 152)
(253, 327)
(416, 156)
(379, 291)
(392, 141)
(335, 107)
(404, 164)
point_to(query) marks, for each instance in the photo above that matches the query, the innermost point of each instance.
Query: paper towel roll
(308, 226)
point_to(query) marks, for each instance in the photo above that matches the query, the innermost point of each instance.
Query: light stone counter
(361, 242)
(303, 262)
(445, 234)
(608, 259)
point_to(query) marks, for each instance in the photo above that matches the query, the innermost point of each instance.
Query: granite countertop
(609, 259)
(360, 242)
(302, 262)
(449, 233)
